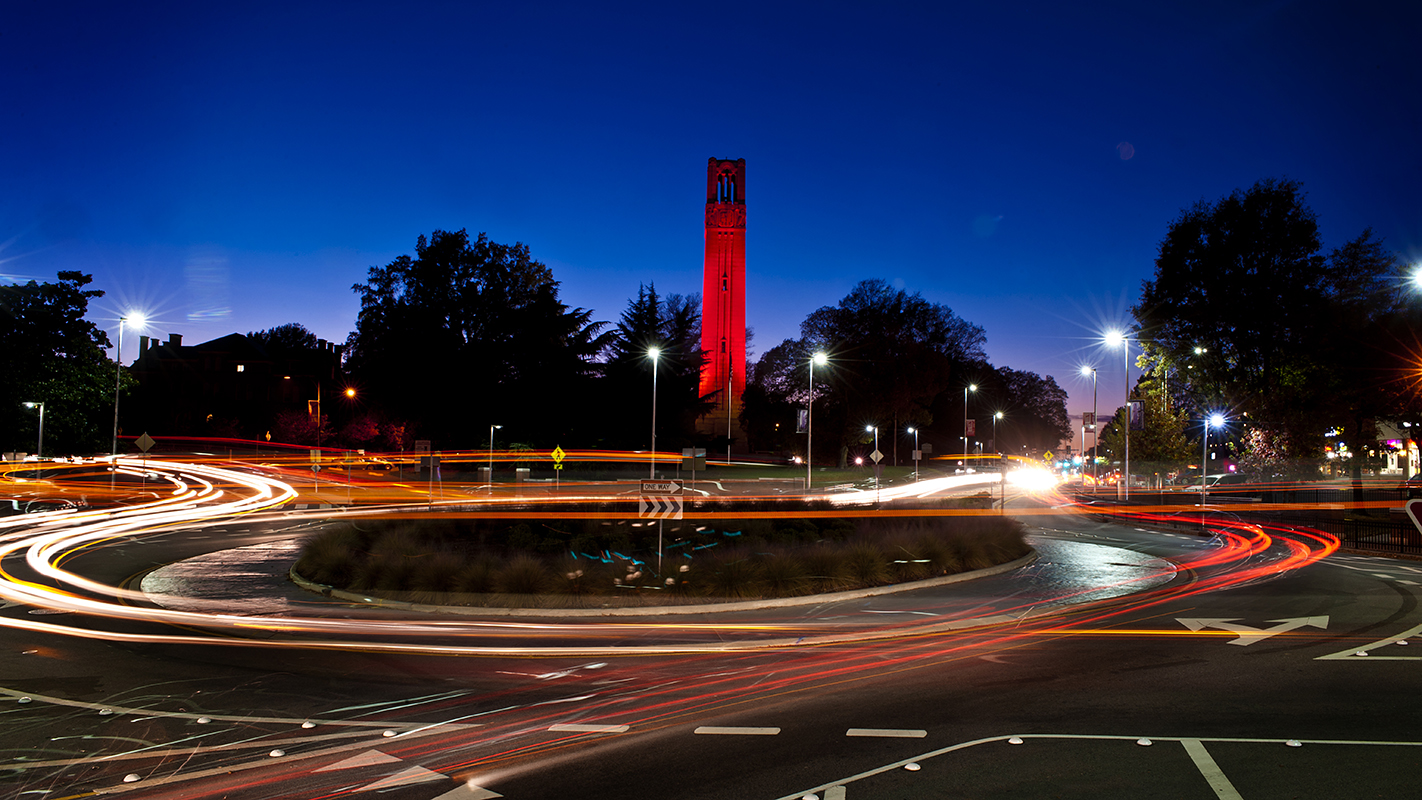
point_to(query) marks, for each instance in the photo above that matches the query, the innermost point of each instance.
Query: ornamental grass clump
(783, 575)
(866, 564)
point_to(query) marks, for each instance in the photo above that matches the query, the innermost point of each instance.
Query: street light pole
(818, 358)
(1204, 456)
(972, 387)
(1095, 429)
(1001, 462)
(39, 447)
(1217, 420)
(1126, 367)
(914, 431)
(491, 456)
(654, 352)
(118, 380)
(1112, 338)
(875, 429)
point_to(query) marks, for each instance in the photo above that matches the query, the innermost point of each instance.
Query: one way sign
(659, 507)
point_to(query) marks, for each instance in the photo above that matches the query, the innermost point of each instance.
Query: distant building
(229, 386)
(723, 297)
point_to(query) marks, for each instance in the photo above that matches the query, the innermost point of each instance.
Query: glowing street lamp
(1114, 338)
(137, 321)
(914, 431)
(972, 387)
(492, 428)
(653, 353)
(819, 359)
(1218, 421)
(875, 430)
(39, 447)
(1095, 431)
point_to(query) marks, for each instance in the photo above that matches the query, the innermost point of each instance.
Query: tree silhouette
(672, 325)
(472, 333)
(50, 353)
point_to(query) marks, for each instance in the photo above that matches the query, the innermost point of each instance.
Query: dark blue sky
(231, 169)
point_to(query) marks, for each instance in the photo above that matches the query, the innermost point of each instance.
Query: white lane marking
(887, 733)
(366, 759)
(1215, 776)
(572, 728)
(408, 777)
(167, 749)
(713, 730)
(148, 712)
(834, 793)
(223, 770)
(1351, 654)
(1072, 736)
(1247, 633)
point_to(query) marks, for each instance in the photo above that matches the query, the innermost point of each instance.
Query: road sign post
(558, 456)
(693, 458)
(657, 500)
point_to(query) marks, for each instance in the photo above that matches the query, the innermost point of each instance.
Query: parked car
(1225, 479)
(1413, 486)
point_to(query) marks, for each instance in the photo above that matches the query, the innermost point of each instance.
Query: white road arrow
(469, 792)
(1249, 635)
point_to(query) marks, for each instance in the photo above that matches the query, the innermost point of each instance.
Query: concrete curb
(655, 611)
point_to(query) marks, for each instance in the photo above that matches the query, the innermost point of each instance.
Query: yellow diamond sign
(558, 455)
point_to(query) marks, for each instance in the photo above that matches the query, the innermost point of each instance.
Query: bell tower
(723, 296)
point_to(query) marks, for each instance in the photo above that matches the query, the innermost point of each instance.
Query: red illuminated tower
(723, 296)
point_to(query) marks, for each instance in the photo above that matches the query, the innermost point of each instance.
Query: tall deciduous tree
(1034, 409)
(50, 353)
(293, 338)
(471, 333)
(1255, 318)
(893, 353)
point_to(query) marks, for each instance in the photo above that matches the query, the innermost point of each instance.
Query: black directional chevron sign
(659, 507)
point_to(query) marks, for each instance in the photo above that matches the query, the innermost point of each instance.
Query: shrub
(865, 565)
(477, 576)
(437, 572)
(733, 574)
(783, 575)
(523, 575)
(826, 568)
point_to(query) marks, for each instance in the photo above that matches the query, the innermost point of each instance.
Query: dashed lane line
(887, 733)
(714, 730)
(574, 728)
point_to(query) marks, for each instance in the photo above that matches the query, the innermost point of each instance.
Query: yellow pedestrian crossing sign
(558, 456)
(1047, 456)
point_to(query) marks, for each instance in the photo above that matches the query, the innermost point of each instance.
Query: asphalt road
(1228, 680)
